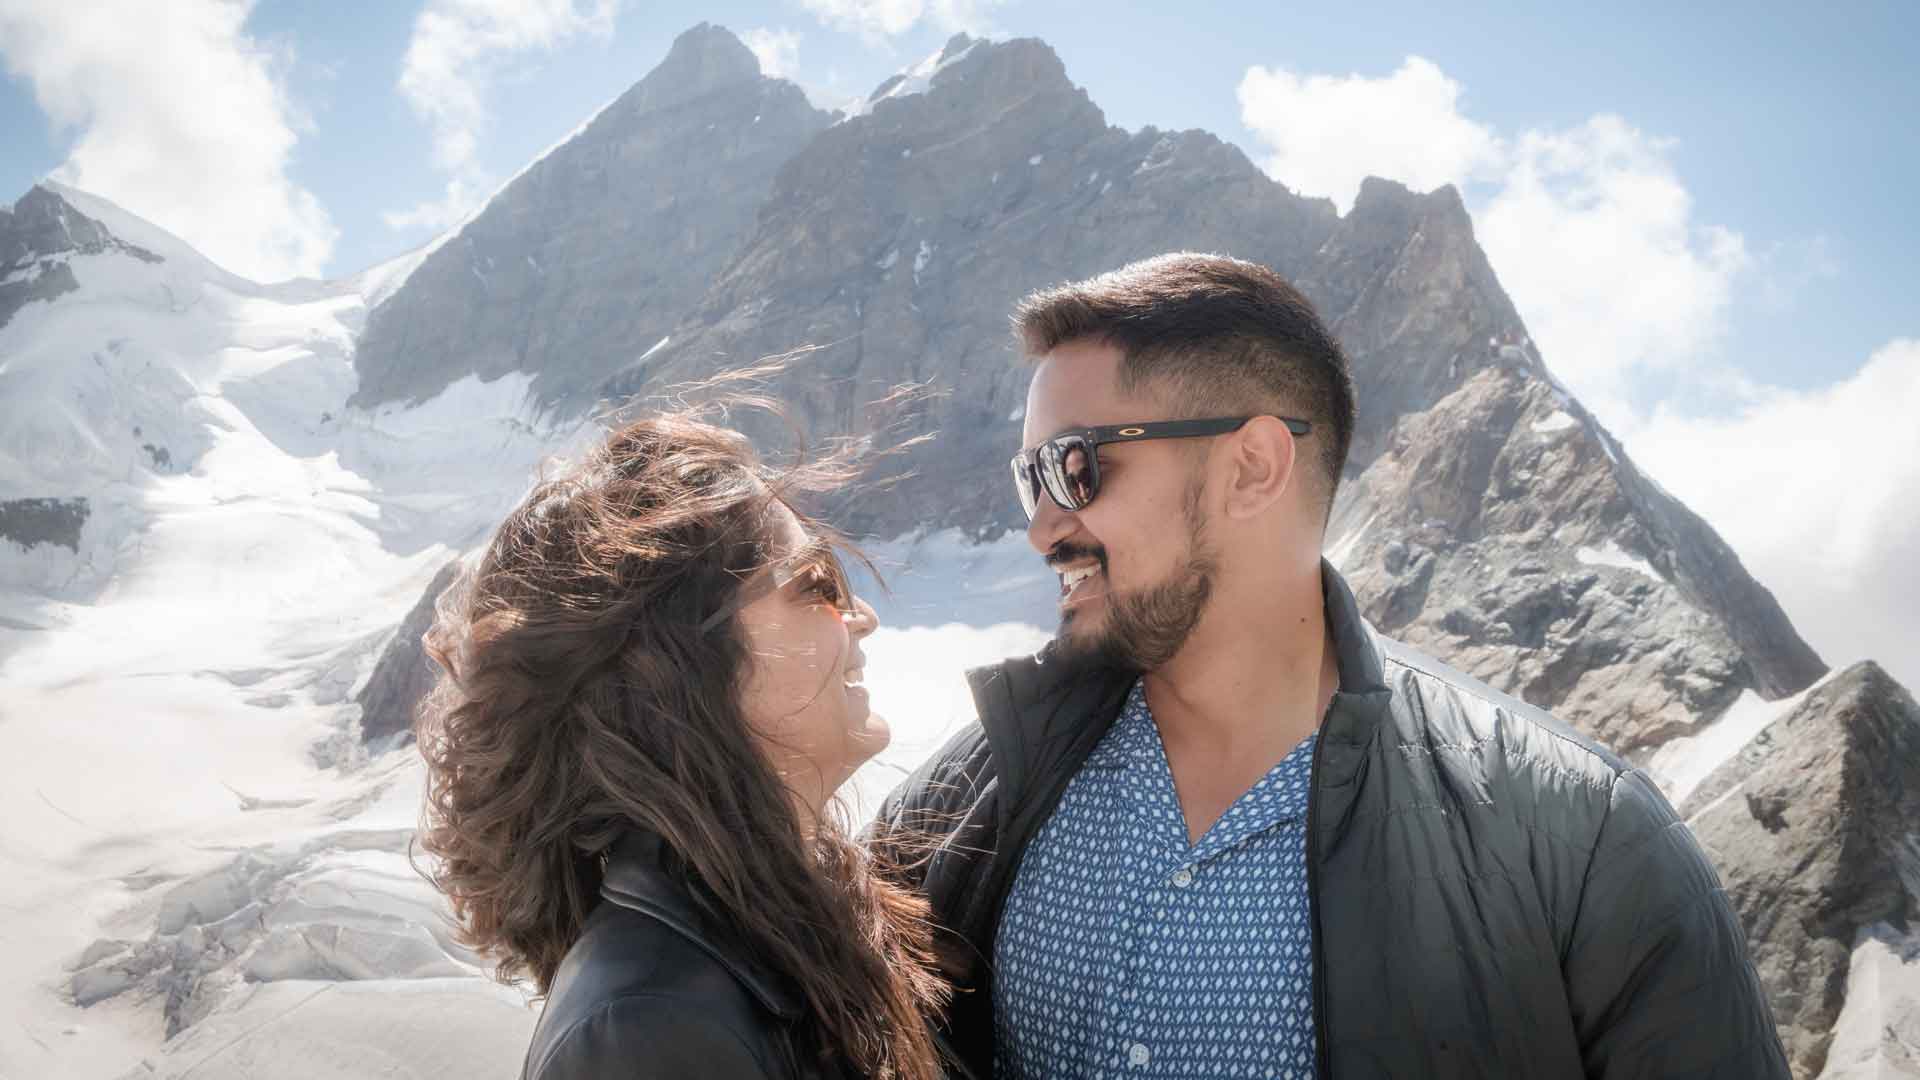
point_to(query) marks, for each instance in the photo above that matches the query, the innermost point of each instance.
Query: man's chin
(1088, 639)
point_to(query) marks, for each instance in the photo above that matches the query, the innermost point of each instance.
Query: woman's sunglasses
(1067, 466)
(816, 566)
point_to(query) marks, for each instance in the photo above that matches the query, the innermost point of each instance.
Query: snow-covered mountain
(225, 509)
(203, 549)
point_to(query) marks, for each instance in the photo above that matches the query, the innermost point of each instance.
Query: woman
(652, 693)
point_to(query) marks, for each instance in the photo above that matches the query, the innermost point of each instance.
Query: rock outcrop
(404, 674)
(43, 521)
(1505, 530)
(1815, 826)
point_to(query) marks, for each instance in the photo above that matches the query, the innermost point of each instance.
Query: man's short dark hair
(1219, 336)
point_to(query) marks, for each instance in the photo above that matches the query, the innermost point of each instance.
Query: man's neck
(1257, 672)
(1251, 683)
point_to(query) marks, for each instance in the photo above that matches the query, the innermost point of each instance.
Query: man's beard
(1146, 628)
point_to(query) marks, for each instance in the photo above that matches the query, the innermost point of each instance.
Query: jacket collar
(638, 877)
(1355, 648)
(1363, 701)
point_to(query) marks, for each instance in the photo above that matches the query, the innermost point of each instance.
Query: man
(1218, 827)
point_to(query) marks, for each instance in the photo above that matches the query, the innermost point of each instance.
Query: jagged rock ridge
(580, 265)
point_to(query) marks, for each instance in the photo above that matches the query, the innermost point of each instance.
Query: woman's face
(802, 694)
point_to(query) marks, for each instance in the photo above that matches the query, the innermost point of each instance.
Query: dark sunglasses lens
(1076, 467)
(836, 572)
(827, 576)
(1023, 482)
(1067, 467)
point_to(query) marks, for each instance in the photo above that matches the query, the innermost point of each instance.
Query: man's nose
(1049, 526)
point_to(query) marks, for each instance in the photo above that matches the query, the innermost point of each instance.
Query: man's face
(1135, 571)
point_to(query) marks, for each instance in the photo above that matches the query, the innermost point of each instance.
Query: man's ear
(1262, 459)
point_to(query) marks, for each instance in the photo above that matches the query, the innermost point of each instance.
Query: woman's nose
(862, 620)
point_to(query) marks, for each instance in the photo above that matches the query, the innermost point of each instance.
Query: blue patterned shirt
(1126, 951)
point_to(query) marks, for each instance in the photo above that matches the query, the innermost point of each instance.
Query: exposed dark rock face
(590, 257)
(43, 521)
(1503, 529)
(1815, 826)
(403, 675)
(36, 236)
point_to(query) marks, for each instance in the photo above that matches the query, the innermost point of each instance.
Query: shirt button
(1182, 878)
(1137, 1055)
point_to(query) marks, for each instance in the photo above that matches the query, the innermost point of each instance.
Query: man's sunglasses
(1068, 465)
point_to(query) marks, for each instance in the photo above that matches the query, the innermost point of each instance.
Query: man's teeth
(1073, 577)
(854, 677)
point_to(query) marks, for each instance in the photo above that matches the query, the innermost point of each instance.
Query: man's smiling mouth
(1071, 579)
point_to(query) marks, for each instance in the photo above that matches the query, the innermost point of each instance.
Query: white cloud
(1327, 133)
(1594, 237)
(877, 20)
(1819, 493)
(458, 49)
(461, 199)
(179, 116)
(1590, 228)
(777, 50)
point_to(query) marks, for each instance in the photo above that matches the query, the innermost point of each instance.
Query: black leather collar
(639, 878)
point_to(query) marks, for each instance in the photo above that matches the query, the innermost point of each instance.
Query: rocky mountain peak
(37, 237)
(42, 223)
(584, 262)
(702, 60)
(970, 74)
(1379, 195)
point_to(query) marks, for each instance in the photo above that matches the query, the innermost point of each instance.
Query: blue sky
(1703, 212)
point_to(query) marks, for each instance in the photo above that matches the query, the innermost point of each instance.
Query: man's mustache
(1067, 552)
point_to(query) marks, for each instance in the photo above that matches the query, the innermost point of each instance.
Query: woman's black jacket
(654, 990)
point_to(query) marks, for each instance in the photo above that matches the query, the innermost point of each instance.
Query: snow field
(174, 696)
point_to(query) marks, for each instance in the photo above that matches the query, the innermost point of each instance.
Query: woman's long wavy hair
(580, 700)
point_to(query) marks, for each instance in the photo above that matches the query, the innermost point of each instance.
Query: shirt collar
(1130, 740)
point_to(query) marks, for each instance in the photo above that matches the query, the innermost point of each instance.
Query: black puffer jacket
(1493, 895)
(654, 991)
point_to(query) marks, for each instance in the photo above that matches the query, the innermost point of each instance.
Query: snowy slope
(176, 689)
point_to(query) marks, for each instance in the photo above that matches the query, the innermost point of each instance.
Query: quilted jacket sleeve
(926, 809)
(644, 1037)
(1657, 972)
